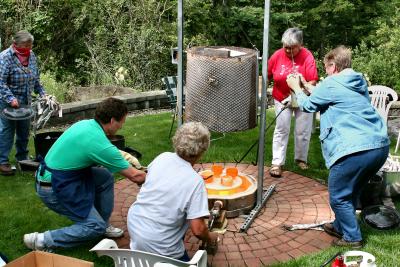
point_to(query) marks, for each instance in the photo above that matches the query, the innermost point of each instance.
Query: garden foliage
(90, 42)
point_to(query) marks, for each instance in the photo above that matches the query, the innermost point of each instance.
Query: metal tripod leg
(172, 124)
(256, 142)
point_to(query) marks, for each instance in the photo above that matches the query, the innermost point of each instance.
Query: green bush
(380, 59)
(58, 89)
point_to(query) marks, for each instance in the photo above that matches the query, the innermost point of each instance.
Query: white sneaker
(113, 232)
(31, 241)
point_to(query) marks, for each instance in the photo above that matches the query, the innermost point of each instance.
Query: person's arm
(200, 230)
(5, 92)
(136, 176)
(318, 100)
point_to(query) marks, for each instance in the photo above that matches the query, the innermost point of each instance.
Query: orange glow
(207, 176)
(227, 181)
(231, 191)
(217, 170)
(232, 172)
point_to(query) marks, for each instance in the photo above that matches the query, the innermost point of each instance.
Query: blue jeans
(347, 178)
(91, 227)
(9, 128)
(185, 257)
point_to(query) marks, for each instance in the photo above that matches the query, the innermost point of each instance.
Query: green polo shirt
(82, 145)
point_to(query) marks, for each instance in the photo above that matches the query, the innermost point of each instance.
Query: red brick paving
(296, 200)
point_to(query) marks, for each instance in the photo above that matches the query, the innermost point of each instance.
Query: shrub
(59, 89)
(380, 59)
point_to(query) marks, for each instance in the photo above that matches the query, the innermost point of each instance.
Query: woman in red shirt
(292, 58)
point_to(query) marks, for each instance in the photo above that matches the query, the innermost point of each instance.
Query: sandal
(302, 164)
(275, 171)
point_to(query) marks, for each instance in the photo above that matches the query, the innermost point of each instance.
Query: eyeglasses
(329, 65)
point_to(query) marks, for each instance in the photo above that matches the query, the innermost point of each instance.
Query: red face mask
(22, 54)
(22, 51)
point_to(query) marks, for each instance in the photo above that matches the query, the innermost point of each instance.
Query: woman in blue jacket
(353, 137)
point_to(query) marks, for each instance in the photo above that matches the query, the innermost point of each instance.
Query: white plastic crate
(391, 176)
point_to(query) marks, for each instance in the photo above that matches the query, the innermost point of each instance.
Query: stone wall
(75, 111)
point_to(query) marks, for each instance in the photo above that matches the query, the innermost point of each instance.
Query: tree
(379, 56)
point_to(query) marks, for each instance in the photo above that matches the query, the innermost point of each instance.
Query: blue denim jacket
(349, 123)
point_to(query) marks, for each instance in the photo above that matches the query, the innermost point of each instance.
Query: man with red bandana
(19, 76)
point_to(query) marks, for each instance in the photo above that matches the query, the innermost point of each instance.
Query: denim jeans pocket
(46, 194)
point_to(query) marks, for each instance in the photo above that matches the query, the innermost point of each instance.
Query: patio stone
(296, 200)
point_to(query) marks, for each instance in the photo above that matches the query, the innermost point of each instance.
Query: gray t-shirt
(172, 194)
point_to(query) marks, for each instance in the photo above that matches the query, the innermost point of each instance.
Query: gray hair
(341, 56)
(292, 36)
(23, 37)
(191, 140)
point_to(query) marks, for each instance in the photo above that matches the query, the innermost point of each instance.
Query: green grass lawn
(21, 211)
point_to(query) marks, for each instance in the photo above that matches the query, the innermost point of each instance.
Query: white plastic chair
(135, 258)
(380, 99)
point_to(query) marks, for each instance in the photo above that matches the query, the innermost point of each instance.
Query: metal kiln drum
(221, 91)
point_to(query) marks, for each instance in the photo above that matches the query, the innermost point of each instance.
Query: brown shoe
(5, 169)
(275, 171)
(330, 230)
(351, 244)
(302, 164)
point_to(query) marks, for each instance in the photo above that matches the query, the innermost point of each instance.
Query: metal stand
(261, 199)
(253, 214)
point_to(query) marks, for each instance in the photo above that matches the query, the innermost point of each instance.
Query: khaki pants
(302, 134)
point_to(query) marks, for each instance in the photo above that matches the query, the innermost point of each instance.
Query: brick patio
(297, 199)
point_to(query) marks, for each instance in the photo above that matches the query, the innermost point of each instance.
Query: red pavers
(296, 200)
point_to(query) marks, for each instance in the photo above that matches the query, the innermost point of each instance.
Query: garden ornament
(45, 107)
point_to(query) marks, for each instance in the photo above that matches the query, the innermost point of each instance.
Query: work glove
(293, 103)
(14, 103)
(287, 101)
(290, 101)
(132, 160)
(293, 81)
(211, 246)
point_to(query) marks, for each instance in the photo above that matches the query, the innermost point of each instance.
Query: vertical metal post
(180, 63)
(263, 106)
(257, 83)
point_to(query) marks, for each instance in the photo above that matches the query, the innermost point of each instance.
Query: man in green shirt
(75, 179)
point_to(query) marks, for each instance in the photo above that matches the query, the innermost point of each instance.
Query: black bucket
(117, 140)
(372, 193)
(380, 217)
(44, 141)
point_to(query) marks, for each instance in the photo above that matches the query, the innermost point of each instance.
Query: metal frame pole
(257, 83)
(180, 63)
(263, 111)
